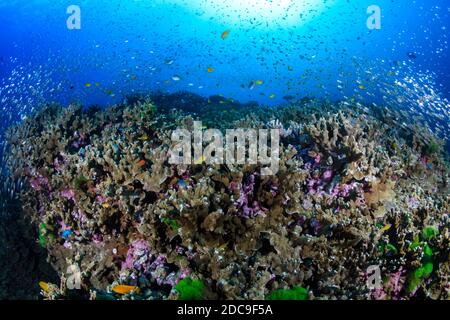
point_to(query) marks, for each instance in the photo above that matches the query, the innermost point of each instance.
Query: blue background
(124, 46)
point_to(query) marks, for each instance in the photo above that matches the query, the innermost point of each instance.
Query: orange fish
(123, 289)
(225, 34)
(141, 163)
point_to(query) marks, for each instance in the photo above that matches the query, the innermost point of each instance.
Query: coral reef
(352, 191)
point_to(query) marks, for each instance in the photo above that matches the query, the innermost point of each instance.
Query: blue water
(274, 52)
(296, 48)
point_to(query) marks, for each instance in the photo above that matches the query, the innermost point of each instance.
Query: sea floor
(358, 208)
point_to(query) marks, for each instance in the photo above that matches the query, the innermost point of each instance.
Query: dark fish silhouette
(412, 55)
(288, 98)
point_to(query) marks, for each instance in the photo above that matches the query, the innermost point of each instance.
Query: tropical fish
(225, 34)
(176, 78)
(210, 70)
(259, 82)
(66, 233)
(124, 289)
(200, 160)
(88, 85)
(223, 246)
(181, 183)
(412, 55)
(272, 96)
(44, 286)
(141, 163)
(144, 137)
(385, 228)
(361, 87)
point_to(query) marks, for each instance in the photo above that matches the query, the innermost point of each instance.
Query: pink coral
(248, 209)
(138, 256)
(40, 183)
(69, 194)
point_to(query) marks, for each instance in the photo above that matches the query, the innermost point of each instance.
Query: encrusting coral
(351, 192)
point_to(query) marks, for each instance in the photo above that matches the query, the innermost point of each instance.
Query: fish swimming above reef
(412, 55)
(225, 34)
(288, 97)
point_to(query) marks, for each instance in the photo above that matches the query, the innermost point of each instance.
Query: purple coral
(80, 140)
(141, 262)
(69, 194)
(248, 209)
(138, 256)
(40, 183)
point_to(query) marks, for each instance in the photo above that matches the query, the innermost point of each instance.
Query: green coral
(42, 232)
(80, 182)
(44, 235)
(189, 289)
(389, 248)
(429, 232)
(171, 223)
(432, 148)
(420, 274)
(296, 293)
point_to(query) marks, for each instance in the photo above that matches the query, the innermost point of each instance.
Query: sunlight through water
(257, 13)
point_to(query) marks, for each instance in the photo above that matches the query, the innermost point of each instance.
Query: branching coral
(102, 193)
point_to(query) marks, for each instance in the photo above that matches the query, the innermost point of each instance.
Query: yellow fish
(210, 70)
(361, 87)
(259, 82)
(200, 160)
(108, 92)
(97, 84)
(88, 85)
(124, 289)
(105, 205)
(223, 246)
(144, 137)
(225, 34)
(385, 228)
(44, 286)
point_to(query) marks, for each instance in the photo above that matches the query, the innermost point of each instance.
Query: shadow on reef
(22, 262)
